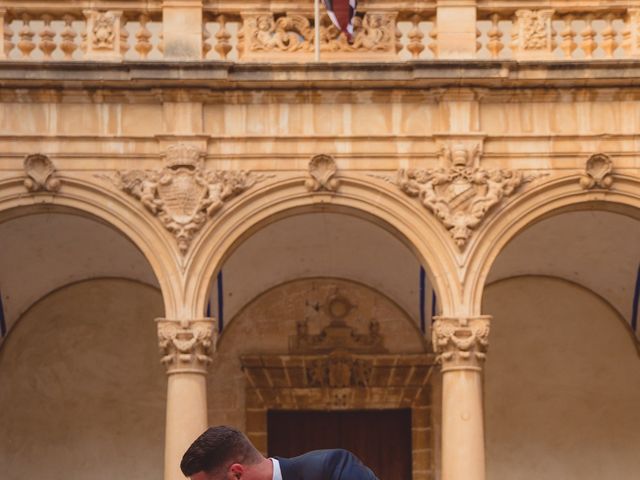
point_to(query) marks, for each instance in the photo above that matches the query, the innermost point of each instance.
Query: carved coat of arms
(183, 195)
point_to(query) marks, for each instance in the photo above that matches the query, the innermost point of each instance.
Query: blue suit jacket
(325, 465)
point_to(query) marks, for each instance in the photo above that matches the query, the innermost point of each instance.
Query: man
(224, 453)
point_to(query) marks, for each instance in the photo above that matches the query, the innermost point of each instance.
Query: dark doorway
(380, 438)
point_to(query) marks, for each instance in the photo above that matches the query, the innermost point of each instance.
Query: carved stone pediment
(183, 195)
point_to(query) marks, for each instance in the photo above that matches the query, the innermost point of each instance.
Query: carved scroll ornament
(597, 172)
(183, 195)
(186, 346)
(462, 194)
(533, 31)
(461, 343)
(41, 174)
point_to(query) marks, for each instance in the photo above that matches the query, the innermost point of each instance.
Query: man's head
(222, 453)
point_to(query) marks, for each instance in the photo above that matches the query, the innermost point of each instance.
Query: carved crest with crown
(461, 193)
(183, 195)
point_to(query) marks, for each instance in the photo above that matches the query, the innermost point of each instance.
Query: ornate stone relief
(186, 346)
(322, 170)
(41, 174)
(533, 32)
(264, 32)
(461, 343)
(104, 34)
(597, 172)
(339, 370)
(461, 194)
(183, 195)
(338, 335)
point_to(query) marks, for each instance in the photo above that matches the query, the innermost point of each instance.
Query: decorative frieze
(462, 193)
(186, 346)
(597, 172)
(41, 174)
(265, 32)
(461, 343)
(322, 170)
(183, 195)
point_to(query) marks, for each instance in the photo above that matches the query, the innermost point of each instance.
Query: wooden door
(380, 438)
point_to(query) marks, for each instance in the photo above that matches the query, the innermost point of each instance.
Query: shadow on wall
(82, 386)
(562, 384)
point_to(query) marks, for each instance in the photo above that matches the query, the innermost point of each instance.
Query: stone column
(186, 347)
(461, 344)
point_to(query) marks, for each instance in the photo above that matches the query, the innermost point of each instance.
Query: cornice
(221, 76)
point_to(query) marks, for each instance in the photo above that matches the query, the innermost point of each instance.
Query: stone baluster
(588, 34)
(631, 34)
(47, 44)
(568, 45)
(223, 47)
(124, 37)
(26, 34)
(68, 38)
(609, 43)
(6, 34)
(186, 348)
(461, 344)
(206, 36)
(143, 36)
(415, 36)
(495, 45)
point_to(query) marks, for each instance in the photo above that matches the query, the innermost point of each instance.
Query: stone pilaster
(461, 344)
(186, 347)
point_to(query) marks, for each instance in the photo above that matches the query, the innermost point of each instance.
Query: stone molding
(41, 174)
(461, 343)
(183, 195)
(597, 172)
(186, 346)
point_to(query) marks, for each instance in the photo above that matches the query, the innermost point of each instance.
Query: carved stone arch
(358, 196)
(89, 199)
(545, 200)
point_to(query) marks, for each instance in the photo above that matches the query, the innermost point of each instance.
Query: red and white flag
(342, 13)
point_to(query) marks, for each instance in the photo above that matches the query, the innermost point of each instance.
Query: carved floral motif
(597, 172)
(40, 173)
(322, 169)
(461, 342)
(183, 195)
(186, 346)
(462, 194)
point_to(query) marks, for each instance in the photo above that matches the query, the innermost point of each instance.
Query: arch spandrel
(274, 200)
(547, 199)
(87, 198)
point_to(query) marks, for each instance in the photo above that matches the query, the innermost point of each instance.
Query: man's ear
(236, 470)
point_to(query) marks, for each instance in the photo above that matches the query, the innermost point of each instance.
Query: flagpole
(317, 27)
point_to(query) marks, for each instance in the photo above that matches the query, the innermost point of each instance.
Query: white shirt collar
(277, 474)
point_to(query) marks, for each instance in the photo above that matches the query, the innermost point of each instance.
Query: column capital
(461, 342)
(186, 345)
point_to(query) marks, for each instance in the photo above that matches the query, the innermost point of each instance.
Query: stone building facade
(441, 216)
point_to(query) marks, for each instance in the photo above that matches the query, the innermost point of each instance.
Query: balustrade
(283, 31)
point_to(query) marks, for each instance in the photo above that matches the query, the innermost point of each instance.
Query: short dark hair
(216, 448)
